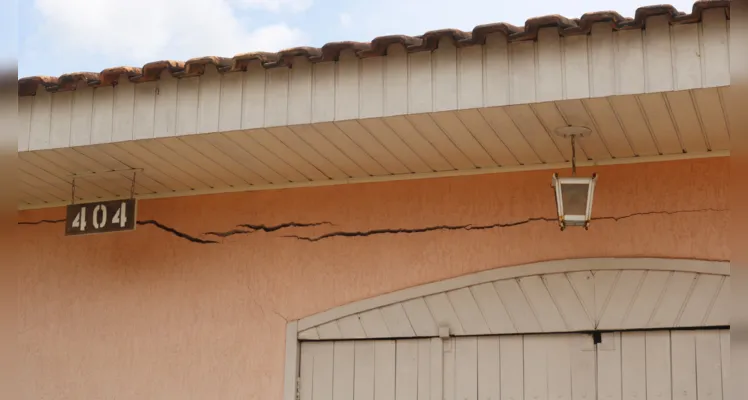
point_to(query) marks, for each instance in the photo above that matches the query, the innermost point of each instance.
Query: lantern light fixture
(574, 194)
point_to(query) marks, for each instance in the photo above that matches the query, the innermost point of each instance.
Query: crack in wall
(176, 232)
(42, 221)
(418, 230)
(151, 222)
(250, 228)
(472, 227)
(645, 213)
(279, 315)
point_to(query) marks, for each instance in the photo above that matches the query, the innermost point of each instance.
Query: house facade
(376, 220)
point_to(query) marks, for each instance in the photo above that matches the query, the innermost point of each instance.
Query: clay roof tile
(379, 46)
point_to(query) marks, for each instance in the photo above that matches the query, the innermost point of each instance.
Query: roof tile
(429, 41)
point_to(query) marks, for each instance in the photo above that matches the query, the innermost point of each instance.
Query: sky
(63, 36)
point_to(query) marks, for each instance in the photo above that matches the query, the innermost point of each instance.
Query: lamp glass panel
(575, 198)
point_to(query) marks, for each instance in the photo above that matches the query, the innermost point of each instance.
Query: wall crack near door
(251, 228)
(473, 227)
(246, 228)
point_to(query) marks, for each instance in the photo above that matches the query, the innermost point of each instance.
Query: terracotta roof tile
(377, 47)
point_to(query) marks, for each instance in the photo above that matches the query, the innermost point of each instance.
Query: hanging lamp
(574, 194)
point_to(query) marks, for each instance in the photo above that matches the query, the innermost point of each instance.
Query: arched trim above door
(552, 296)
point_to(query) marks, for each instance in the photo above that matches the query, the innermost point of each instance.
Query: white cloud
(140, 31)
(346, 20)
(275, 5)
(414, 17)
(94, 34)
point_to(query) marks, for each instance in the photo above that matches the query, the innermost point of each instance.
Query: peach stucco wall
(148, 315)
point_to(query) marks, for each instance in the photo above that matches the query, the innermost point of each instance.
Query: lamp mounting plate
(573, 131)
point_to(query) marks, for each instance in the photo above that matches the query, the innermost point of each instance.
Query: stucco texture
(149, 315)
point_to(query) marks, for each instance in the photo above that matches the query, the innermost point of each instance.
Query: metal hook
(573, 157)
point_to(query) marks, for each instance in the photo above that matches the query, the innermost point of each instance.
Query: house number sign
(100, 217)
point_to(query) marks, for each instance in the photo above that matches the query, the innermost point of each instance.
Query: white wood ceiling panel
(510, 135)
(239, 168)
(575, 113)
(394, 144)
(489, 140)
(260, 152)
(427, 127)
(372, 146)
(286, 145)
(341, 165)
(689, 123)
(425, 150)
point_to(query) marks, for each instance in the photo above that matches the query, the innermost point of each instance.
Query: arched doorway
(570, 329)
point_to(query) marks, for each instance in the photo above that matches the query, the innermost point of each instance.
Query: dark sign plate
(100, 217)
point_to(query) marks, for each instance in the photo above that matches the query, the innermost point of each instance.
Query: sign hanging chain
(72, 201)
(132, 185)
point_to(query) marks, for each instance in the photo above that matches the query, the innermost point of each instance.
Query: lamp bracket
(573, 131)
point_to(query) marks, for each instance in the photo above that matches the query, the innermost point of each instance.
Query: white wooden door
(654, 365)
(407, 369)
(520, 367)
(664, 365)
